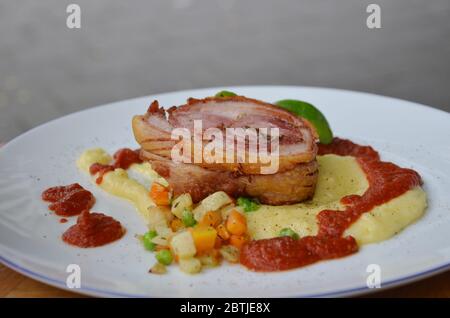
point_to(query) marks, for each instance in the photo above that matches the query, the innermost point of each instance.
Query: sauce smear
(386, 182)
(92, 230)
(68, 200)
(123, 158)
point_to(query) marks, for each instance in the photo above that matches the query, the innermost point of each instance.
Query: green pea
(249, 205)
(289, 232)
(312, 114)
(164, 257)
(187, 217)
(225, 94)
(147, 240)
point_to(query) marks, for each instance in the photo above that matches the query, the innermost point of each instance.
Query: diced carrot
(211, 218)
(160, 194)
(236, 223)
(204, 238)
(176, 225)
(237, 241)
(218, 243)
(215, 254)
(223, 232)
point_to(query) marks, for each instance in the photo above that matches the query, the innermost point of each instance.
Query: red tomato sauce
(68, 200)
(92, 230)
(386, 182)
(123, 158)
(101, 169)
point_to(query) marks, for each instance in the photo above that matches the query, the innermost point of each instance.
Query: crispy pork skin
(292, 186)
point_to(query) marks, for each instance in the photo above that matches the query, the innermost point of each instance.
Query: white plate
(406, 133)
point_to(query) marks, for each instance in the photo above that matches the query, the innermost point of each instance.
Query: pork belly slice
(292, 186)
(297, 143)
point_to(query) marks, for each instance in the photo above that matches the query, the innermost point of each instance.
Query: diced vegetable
(204, 238)
(147, 240)
(164, 257)
(289, 232)
(222, 232)
(176, 225)
(312, 115)
(218, 243)
(237, 240)
(183, 245)
(190, 265)
(158, 268)
(159, 215)
(180, 204)
(212, 202)
(163, 231)
(160, 241)
(210, 259)
(160, 194)
(211, 218)
(188, 218)
(226, 210)
(225, 94)
(230, 253)
(248, 204)
(236, 223)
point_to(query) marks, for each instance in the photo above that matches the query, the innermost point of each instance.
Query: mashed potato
(118, 182)
(338, 177)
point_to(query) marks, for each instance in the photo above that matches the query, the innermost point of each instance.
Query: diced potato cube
(164, 231)
(190, 265)
(158, 268)
(212, 202)
(182, 202)
(182, 245)
(158, 240)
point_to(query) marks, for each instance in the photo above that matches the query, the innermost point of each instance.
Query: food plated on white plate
(294, 197)
(286, 206)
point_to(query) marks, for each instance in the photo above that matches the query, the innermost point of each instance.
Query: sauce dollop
(123, 158)
(92, 230)
(68, 200)
(386, 182)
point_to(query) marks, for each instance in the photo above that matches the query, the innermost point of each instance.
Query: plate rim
(92, 291)
(355, 291)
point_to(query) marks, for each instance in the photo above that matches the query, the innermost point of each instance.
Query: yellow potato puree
(338, 177)
(119, 184)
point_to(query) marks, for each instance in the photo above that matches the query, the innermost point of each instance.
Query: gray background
(132, 48)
